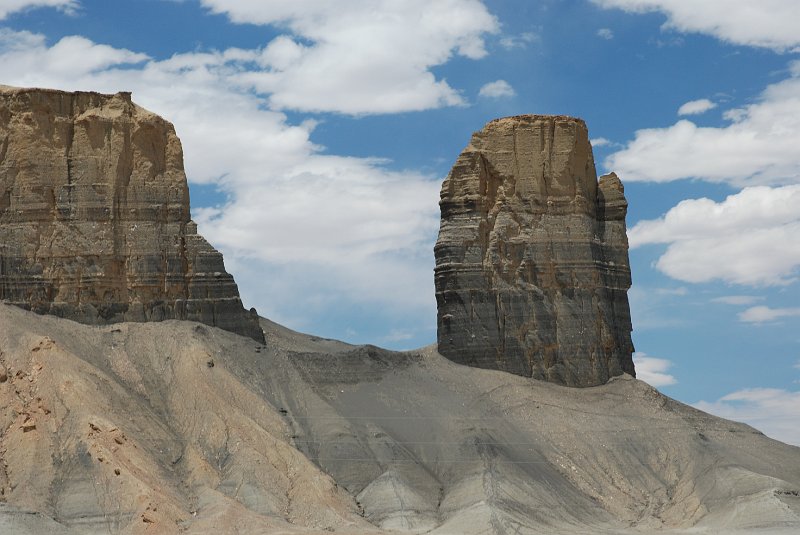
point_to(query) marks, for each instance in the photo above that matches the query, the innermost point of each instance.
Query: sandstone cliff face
(94, 216)
(532, 266)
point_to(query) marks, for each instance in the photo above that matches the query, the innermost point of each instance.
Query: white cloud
(766, 23)
(497, 89)
(71, 56)
(653, 371)
(360, 56)
(306, 233)
(759, 146)
(770, 410)
(8, 7)
(605, 33)
(601, 142)
(749, 238)
(763, 314)
(332, 205)
(740, 300)
(521, 41)
(696, 107)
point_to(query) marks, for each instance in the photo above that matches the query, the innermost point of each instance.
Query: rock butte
(94, 216)
(532, 267)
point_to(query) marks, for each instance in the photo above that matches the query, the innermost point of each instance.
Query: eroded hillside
(180, 427)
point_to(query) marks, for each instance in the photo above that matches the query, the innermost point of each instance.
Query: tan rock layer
(94, 216)
(532, 267)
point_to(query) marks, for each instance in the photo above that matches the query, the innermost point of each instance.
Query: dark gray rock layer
(532, 267)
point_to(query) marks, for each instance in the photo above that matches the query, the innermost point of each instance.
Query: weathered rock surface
(94, 216)
(532, 266)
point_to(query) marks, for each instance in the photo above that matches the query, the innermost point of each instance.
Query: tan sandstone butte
(94, 216)
(532, 267)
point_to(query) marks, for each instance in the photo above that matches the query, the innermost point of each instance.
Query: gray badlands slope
(181, 427)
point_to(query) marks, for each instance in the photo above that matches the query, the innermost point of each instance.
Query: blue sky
(317, 133)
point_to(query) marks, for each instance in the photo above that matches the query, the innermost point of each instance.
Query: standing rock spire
(532, 267)
(94, 216)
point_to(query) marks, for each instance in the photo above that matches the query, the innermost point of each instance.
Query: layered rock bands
(94, 216)
(532, 266)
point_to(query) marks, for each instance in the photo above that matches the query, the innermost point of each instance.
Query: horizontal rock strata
(532, 267)
(94, 216)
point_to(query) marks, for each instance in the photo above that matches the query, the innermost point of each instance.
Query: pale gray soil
(212, 433)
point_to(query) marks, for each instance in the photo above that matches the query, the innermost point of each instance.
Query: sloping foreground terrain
(180, 427)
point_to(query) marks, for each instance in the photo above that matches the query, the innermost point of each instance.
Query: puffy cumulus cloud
(767, 23)
(652, 370)
(497, 89)
(764, 314)
(71, 56)
(361, 56)
(306, 233)
(696, 107)
(8, 7)
(770, 410)
(759, 146)
(749, 238)
(333, 204)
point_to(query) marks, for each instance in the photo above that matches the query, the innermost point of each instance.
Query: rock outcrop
(94, 216)
(532, 266)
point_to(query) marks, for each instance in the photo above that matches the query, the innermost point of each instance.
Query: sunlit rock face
(94, 216)
(532, 267)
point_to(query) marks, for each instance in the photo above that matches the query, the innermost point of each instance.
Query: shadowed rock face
(94, 216)
(532, 266)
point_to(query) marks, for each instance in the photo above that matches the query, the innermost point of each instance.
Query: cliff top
(532, 118)
(123, 97)
(14, 89)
